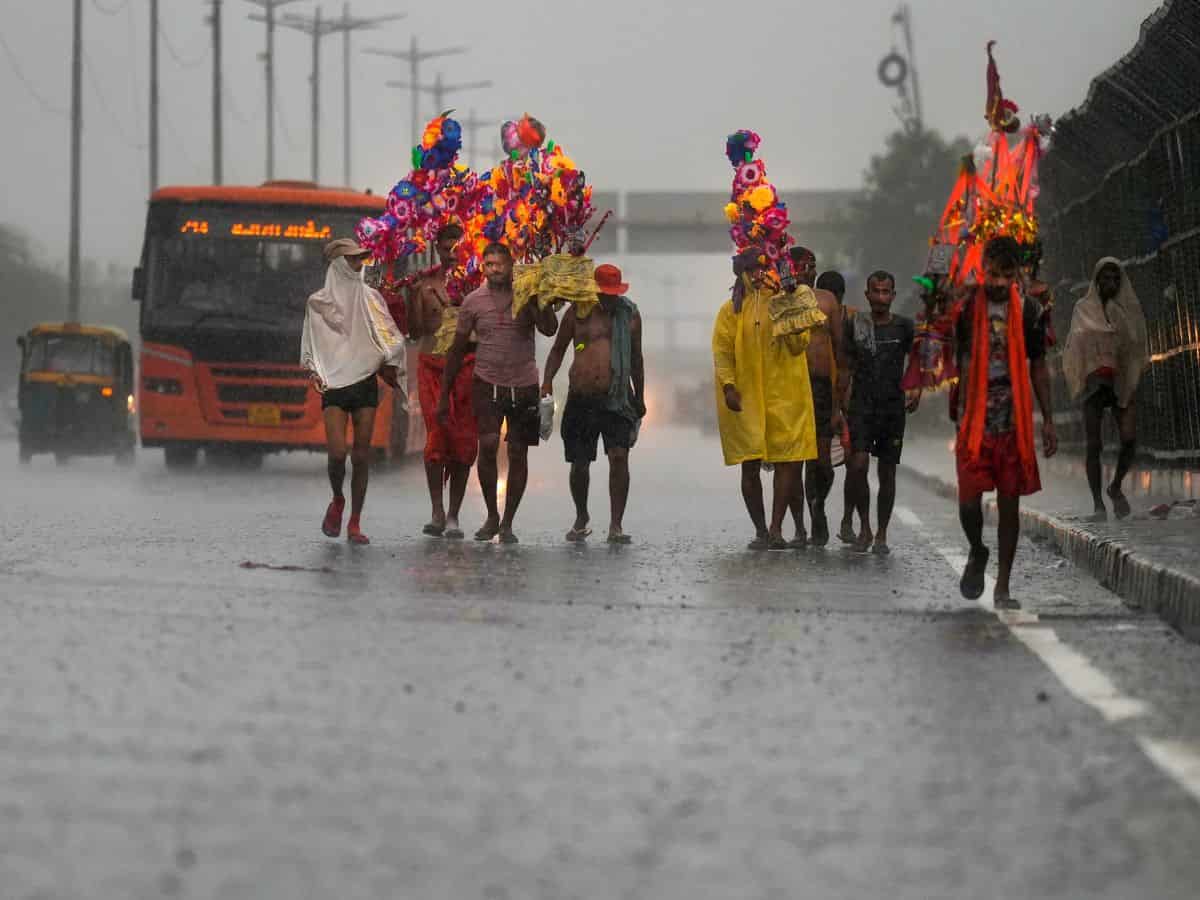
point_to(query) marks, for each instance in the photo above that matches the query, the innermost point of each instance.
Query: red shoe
(354, 533)
(332, 524)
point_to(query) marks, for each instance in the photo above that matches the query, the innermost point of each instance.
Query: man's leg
(489, 446)
(846, 532)
(335, 443)
(752, 496)
(435, 477)
(796, 502)
(859, 489)
(970, 515)
(819, 480)
(581, 482)
(784, 495)
(1009, 531)
(1127, 424)
(618, 492)
(886, 502)
(1093, 420)
(459, 474)
(518, 475)
(360, 456)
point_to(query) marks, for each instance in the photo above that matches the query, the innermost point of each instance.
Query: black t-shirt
(878, 356)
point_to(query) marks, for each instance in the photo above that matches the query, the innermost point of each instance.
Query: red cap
(608, 280)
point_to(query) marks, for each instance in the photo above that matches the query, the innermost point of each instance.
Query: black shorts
(586, 420)
(879, 432)
(493, 404)
(360, 395)
(822, 394)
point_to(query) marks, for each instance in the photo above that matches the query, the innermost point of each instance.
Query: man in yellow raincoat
(764, 401)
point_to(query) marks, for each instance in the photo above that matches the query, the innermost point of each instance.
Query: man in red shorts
(505, 385)
(1001, 350)
(450, 449)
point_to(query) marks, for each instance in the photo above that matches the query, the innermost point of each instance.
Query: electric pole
(345, 25)
(414, 57)
(215, 21)
(315, 28)
(438, 90)
(268, 58)
(76, 132)
(153, 136)
(471, 126)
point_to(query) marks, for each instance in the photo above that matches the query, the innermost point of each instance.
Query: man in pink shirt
(505, 386)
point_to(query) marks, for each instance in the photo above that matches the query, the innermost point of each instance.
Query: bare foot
(846, 533)
(863, 543)
(453, 530)
(507, 536)
(617, 536)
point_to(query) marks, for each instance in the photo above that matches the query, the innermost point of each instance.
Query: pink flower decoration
(775, 219)
(749, 175)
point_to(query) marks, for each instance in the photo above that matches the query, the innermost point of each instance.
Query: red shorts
(458, 440)
(998, 468)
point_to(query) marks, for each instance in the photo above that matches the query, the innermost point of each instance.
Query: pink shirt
(505, 352)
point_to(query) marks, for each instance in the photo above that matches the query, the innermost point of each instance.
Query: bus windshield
(230, 266)
(76, 354)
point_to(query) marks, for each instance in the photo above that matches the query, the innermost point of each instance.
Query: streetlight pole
(268, 58)
(215, 21)
(152, 138)
(76, 133)
(414, 56)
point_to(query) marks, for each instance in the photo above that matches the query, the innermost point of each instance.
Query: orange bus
(223, 280)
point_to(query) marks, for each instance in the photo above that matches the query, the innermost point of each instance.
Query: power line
(175, 55)
(29, 88)
(106, 106)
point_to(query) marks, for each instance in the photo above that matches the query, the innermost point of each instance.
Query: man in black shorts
(605, 397)
(349, 341)
(876, 351)
(505, 386)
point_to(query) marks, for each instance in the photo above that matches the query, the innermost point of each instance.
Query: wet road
(679, 718)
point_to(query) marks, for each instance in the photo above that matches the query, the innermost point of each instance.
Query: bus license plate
(263, 414)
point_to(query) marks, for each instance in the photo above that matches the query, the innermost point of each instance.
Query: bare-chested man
(825, 362)
(606, 397)
(450, 449)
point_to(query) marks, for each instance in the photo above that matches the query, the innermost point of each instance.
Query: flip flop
(434, 530)
(778, 543)
(331, 525)
(861, 546)
(1121, 507)
(507, 537)
(621, 538)
(487, 532)
(453, 534)
(1008, 602)
(881, 549)
(579, 535)
(972, 580)
(759, 543)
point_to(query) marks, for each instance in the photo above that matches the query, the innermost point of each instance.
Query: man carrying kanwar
(1104, 360)
(605, 397)
(764, 401)
(349, 341)
(450, 449)
(1001, 347)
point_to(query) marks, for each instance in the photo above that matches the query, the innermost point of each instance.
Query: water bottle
(546, 416)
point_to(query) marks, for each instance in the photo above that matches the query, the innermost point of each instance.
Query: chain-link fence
(1123, 179)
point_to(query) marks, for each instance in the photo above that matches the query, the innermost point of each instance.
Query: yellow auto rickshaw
(76, 394)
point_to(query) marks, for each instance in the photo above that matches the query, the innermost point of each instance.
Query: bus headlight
(131, 404)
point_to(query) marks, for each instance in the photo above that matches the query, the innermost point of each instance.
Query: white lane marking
(1179, 760)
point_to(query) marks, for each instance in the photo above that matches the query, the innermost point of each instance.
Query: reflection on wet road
(677, 718)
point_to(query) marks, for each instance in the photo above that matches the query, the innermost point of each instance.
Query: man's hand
(443, 410)
(1049, 438)
(391, 375)
(315, 380)
(732, 398)
(913, 401)
(548, 389)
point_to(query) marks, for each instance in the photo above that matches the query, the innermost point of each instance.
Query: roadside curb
(1173, 595)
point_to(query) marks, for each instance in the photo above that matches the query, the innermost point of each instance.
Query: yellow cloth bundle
(794, 314)
(526, 278)
(557, 277)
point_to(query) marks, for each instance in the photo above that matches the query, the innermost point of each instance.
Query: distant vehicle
(75, 394)
(223, 280)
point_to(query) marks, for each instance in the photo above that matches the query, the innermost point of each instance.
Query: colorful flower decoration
(758, 218)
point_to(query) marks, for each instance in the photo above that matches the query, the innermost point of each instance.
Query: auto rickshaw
(76, 393)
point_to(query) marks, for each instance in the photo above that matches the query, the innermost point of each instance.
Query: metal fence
(1123, 179)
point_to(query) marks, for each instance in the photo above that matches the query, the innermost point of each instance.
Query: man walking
(764, 402)
(876, 349)
(1001, 350)
(505, 388)
(605, 397)
(450, 449)
(349, 340)
(825, 361)
(1104, 360)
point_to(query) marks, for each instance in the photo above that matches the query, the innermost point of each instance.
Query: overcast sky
(641, 92)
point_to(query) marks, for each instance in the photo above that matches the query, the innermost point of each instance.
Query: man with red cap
(605, 398)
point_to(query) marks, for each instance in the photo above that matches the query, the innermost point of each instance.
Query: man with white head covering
(1104, 360)
(349, 340)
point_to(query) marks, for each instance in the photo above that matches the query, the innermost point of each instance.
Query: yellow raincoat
(776, 424)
